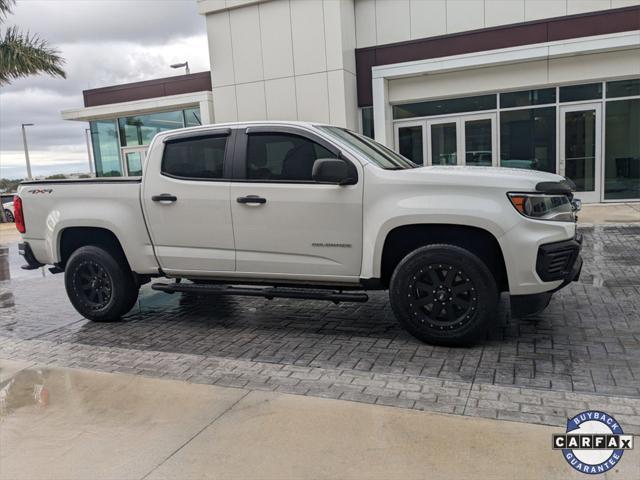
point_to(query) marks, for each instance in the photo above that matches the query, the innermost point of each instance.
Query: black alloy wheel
(444, 294)
(100, 283)
(93, 284)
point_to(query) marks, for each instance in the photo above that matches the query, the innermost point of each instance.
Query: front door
(581, 149)
(285, 224)
(185, 195)
(455, 140)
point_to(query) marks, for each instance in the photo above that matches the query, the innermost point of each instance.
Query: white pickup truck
(300, 210)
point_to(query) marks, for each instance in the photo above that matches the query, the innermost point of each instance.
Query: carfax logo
(594, 442)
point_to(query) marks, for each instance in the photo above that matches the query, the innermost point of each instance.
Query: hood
(512, 179)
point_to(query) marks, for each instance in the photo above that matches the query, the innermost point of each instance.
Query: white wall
(385, 21)
(576, 69)
(294, 59)
(282, 60)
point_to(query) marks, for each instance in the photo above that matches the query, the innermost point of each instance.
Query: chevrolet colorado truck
(302, 210)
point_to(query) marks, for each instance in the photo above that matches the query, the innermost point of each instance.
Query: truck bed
(51, 207)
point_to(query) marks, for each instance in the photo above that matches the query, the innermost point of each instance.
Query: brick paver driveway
(582, 352)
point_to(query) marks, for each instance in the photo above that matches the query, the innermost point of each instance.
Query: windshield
(374, 151)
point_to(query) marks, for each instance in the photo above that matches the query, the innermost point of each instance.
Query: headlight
(543, 207)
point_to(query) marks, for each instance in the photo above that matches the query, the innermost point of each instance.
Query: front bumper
(556, 261)
(560, 260)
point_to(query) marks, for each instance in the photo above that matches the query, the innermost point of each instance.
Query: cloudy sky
(104, 42)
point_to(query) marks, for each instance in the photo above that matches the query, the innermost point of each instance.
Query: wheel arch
(73, 238)
(402, 240)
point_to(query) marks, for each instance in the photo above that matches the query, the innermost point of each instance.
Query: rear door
(186, 200)
(284, 222)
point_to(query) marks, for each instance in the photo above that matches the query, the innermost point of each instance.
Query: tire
(444, 295)
(9, 216)
(100, 284)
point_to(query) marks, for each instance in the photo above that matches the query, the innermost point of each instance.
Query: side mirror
(332, 170)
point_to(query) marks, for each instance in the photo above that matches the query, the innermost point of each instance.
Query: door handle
(164, 197)
(251, 199)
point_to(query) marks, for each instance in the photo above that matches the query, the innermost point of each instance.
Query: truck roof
(245, 123)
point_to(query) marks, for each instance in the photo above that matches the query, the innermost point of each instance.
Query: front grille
(555, 260)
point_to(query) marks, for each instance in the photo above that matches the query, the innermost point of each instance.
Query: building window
(140, 129)
(622, 150)
(192, 117)
(134, 163)
(574, 93)
(623, 88)
(528, 139)
(367, 122)
(528, 98)
(199, 157)
(444, 107)
(106, 151)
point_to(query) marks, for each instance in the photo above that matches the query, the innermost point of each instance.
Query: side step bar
(267, 292)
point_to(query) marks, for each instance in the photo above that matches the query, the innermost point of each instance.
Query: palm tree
(24, 54)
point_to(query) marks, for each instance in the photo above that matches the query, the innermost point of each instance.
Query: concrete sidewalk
(604, 213)
(70, 423)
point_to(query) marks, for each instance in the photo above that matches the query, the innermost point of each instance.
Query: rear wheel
(444, 294)
(99, 284)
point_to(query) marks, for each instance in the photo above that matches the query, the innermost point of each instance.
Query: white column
(382, 112)
(206, 111)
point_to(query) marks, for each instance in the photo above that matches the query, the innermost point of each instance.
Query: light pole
(86, 134)
(26, 149)
(180, 65)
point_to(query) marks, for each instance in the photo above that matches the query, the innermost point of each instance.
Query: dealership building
(124, 118)
(551, 85)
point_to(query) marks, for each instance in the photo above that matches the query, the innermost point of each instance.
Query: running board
(267, 292)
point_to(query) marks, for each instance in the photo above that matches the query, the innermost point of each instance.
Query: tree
(24, 54)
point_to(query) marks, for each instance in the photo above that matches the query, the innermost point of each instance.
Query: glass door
(480, 139)
(580, 148)
(443, 141)
(410, 139)
(456, 140)
(133, 160)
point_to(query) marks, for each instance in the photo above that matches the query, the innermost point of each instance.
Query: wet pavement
(59, 423)
(582, 352)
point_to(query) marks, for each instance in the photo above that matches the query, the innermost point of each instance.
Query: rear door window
(195, 158)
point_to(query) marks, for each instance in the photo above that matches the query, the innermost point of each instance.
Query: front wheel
(9, 216)
(99, 284)
(444, 294)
